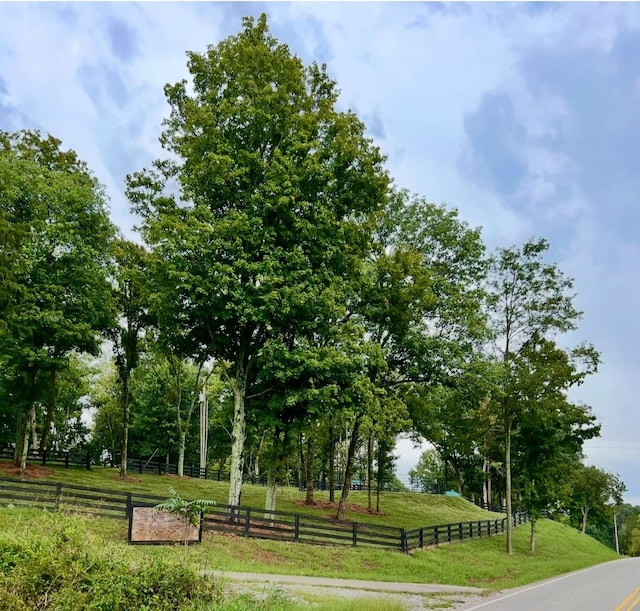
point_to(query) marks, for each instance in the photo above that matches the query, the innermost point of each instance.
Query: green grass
(401, 509)
(481, 563)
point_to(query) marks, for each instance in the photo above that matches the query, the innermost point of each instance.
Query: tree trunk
(370, 468)
(507, 486)
(24, 423)
(270, 498)
(51, 406)
(125, 425)
(585, 513)
(309, 471)
(181, 449)
(382, 453)
(238, 436)
(33, 423)
(332, 462)
(348, 471)
(458, 477)
(25, 450)
(532, 541)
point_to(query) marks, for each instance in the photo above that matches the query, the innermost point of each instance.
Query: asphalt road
(613, 586)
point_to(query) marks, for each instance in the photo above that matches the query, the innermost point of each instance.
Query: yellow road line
(630, 602)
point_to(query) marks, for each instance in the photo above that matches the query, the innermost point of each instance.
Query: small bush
(49, 565)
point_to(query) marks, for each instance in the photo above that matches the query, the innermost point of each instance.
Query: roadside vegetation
(55, 561)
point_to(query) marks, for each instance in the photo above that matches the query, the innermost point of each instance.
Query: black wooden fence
(44, 457)
(249, 522)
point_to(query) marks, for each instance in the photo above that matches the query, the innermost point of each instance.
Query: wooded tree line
(280, 271)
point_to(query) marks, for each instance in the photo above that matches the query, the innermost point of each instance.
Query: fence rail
(247, 521)
(44, 457)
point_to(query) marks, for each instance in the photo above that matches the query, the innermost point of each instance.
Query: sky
(523, 116)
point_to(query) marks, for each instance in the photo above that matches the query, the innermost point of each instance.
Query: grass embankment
(481, 563)
(399, 509)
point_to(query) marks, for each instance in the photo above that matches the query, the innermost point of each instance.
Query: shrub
(49, 565)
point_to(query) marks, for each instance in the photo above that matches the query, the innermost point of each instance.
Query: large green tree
(530, 302)
(62, 299)
(551, 429)
(259, 217)
(131, 295)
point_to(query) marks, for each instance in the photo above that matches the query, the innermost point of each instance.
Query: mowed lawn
(401, 509)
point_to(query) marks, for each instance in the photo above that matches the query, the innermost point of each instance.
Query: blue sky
(524, 116)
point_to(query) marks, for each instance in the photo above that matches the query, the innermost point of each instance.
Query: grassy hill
(481, 563)
(401, 509)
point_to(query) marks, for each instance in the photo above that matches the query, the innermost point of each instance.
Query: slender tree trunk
(458, 477)
(348, 471)
(532, 541)
(382, 450)
(24, 423)
(33, 423)
(507, 487)
(309, 471)
(51, 406)
(270, 498)
(25, 450)
(585, 513)
(125, 424)
(332, 462)
(181, 449)
(370, 468)
(238, 436)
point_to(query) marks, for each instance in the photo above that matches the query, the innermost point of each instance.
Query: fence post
(460, 531)
(404, 543)
(129, 509)
(66, 459)
(422, 537)
(354, 534)
(58, 495)
(247, 522)
(470, 530)
(140, 465)
(435, 535)
(44, 457)
(88, 461)
(448, 533)
(296, 528)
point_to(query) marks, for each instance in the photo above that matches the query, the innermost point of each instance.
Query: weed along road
(613, 586)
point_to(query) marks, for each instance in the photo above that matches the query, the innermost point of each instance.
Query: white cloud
(420, 70)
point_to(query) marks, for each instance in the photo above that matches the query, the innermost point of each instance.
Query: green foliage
(275, 187)
(189, 509)
(595, 493)
(428, 474)
(53, 566)
(60, 297)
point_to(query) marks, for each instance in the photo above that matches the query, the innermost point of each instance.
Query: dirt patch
(31, 472)
(350, 507)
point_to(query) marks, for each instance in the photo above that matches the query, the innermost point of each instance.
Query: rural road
(613, 586)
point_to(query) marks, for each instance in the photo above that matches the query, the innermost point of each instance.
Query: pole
(204, 428)
(615, 530)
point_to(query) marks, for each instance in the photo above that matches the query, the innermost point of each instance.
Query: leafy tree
(62, 302)
(428, 474)
(132, 299)
(595, 490)
(529, 302)
(259, 217)
(551, 430)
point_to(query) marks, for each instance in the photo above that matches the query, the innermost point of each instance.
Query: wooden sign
(148, 525)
